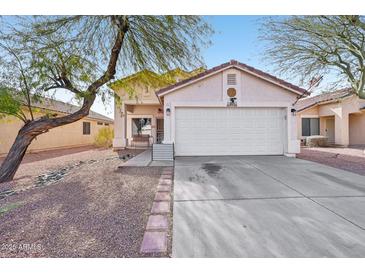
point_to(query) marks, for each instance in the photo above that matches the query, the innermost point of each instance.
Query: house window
(106, 124)
(310, 126)
(100, 123)
(141, 126)
(86, 128)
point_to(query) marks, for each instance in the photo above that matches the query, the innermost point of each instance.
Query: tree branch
(45, 123)
(24, 79)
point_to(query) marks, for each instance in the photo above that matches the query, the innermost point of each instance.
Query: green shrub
(7, 208)
(104, 138)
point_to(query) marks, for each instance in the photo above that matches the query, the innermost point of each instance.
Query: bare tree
(315, 46)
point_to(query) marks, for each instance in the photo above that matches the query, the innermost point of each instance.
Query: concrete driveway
(266, 206)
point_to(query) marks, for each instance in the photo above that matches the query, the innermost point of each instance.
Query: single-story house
(230, 109)
(80, 133)
(338, 115)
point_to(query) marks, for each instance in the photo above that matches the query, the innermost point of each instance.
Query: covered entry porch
(138, 125)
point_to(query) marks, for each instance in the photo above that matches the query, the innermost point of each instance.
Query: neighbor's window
(106, 124)
(86, 128)
(310, 126)
(100, 123)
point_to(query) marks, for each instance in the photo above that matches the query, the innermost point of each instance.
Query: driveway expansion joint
(241, 199)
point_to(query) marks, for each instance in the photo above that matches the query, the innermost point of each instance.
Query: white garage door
(229, 131)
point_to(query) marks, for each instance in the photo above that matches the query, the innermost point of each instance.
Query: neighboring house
(231, 109)
(75, 134)
(339, 115)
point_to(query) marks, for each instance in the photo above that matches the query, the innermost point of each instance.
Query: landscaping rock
(316, 141)
(6, 193)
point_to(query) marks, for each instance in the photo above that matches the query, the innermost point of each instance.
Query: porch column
(342, 136)
(119, 141)
(153, 129)
(167, 123)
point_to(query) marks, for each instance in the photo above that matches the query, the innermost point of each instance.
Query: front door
(330, 130)
(159, 130)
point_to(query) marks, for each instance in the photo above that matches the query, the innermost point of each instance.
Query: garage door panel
(229, 131)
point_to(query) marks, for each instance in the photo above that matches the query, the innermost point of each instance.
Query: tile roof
(55, 105)
(238, 65)
(305, 103)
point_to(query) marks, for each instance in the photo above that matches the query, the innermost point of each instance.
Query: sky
(236, 37)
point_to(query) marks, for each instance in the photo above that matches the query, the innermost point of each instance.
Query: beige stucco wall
(207, 90)
(141, 95)
(65, 136)
(357, 129)
(251, 91)
(255, 89)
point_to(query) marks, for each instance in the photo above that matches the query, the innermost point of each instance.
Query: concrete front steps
(162, 152)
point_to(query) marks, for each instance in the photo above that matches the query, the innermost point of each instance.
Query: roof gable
(233, 64)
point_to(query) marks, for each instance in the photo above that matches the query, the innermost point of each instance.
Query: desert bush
(104, 138)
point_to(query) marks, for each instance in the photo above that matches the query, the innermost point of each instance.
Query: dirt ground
(350, 159)
(96, 210)
(35, 164)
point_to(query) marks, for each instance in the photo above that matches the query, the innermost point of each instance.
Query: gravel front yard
(96, 210)
(350, 159)
(35, 164)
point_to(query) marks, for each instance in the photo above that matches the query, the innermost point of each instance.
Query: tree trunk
(15, 156)
(33, 129)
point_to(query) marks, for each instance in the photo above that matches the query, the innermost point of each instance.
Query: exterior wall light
(168, 111)
(293, 111)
